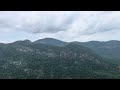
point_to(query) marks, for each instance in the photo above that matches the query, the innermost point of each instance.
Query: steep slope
(23, 59)
(51, 41)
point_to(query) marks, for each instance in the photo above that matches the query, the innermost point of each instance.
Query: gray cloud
(60, 24)
(52, 22)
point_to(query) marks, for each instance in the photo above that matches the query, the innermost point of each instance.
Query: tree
(118, 70)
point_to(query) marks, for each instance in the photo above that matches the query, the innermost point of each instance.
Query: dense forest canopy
(49, 60)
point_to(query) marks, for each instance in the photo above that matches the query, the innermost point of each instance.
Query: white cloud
(64, 25)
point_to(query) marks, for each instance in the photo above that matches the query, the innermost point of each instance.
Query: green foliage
(27, 60)
(109, 49)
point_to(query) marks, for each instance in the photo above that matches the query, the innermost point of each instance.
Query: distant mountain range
(51, 41)
(54, 59)
(108, 49)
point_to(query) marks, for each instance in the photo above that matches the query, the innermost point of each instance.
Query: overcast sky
(64, 25)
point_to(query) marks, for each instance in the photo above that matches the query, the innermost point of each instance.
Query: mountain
(31, 60)
(108, 49)
(22, 41)
(51, 41)
(1, 43)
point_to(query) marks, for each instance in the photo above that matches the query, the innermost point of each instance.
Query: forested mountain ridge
(108, 49)
(51, 41)
(30, 60)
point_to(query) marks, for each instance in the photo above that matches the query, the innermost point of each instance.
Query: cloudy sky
(64, 25)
